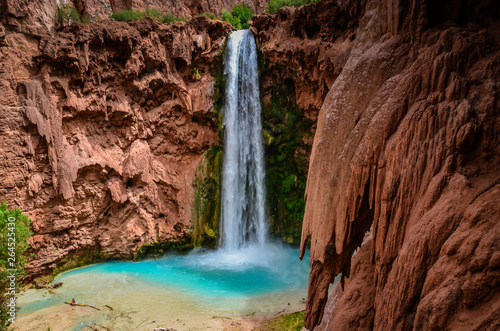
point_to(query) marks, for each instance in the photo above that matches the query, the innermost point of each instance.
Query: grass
(289, 322)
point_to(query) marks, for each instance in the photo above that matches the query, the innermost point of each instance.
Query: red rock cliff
(39, 17)
(407, 155)
(103, 126)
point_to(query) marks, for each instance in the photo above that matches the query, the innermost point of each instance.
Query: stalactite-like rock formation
(408, 145)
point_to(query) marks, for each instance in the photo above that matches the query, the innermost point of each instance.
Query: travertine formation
(103, 127)
(407, 144)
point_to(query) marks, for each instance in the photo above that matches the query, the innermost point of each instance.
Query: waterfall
(243, 220)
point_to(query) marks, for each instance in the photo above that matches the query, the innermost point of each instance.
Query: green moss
(218, 75)
(206, 207)
(285, 129)
(289, 322)
(158, 249)
(78, 260)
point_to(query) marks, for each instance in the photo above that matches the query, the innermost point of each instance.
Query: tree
(14, 234)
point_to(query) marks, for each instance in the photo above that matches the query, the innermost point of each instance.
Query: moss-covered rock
(207, 199)
(287, 133)
(158, 249)
(81, 259)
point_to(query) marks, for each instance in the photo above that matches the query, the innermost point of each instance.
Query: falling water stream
(249, 274)
(243, 198)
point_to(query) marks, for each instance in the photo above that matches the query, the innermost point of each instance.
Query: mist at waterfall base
(249, 274)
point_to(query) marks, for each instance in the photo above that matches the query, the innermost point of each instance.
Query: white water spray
(243, 218)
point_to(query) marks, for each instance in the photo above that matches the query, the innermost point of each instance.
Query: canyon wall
(40, 17)
(406, 164)
(303, 51)
(103, 127)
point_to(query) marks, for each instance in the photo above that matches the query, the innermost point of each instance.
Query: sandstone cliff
(407, 154)
(103, 127)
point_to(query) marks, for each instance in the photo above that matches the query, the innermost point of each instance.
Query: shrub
(11, 254)
(239, 17)
(227, 17)
(154, 14)
(275, 5)
(68, 14)
(244, 14)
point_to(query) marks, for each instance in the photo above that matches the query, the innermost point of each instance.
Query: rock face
(306, 47)
(191, 8)
(103, 127)
(303, 51)
(408, 145)
(40, 17)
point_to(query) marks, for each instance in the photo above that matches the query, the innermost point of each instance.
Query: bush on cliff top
(13, 244)
(135, 15)
(275, 5)
(239, 17)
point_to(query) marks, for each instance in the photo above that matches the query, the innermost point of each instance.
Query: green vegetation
(169, 18)
(285, 132)
(275, 5)
(14, 234)
(239, 17)
(196, 74)
(290, 322)
(206, 206)
(81, 259)
(69, 15)
(127, 15)
(135, 15)
(211, 16)
(158, 249)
